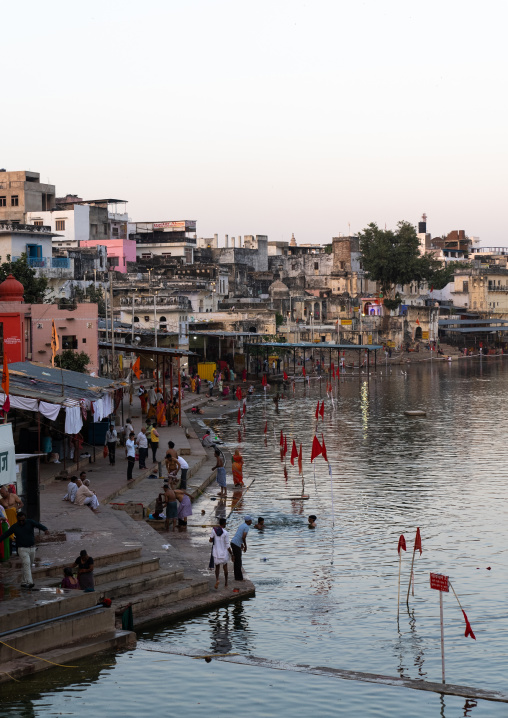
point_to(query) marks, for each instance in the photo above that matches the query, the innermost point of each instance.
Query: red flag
(317, 411)
(266, 427)
(263, 380)
(418, 542)
(239, 417)
(285, 445)
(285, 376)
(303, 371)
(281, 441)
(316, 449)
(6, 406)
(323, 448)
(300, 461)
(417, 321)
(322, 410)
(294, 453)
(402, 543)
(239, 393)
(469, 630)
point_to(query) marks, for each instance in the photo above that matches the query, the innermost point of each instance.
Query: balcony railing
(47, 262)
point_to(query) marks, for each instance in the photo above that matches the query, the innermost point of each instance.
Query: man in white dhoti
(221, 551)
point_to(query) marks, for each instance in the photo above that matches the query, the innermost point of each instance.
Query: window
(136, 319)
(316, 265)
(38, 223)
(69, 342)
(147, 319)
(114, 261)
(3, 201)
(14, 200)
(60, 225)
(105, 228)
(114, 231)
(84, 340)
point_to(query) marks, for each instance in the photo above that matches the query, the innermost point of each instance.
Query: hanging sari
(237, 460)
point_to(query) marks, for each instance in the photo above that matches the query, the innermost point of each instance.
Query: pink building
(25, 329)
(120, 251)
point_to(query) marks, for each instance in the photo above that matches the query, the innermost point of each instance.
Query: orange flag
(55, 343)
(136, 368)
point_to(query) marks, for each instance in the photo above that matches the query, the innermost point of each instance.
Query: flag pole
(398, 594)
(411, 578)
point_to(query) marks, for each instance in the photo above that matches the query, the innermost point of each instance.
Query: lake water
(328, 597)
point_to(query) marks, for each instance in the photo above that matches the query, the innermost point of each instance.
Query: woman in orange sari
(161, 413)
(237, 461)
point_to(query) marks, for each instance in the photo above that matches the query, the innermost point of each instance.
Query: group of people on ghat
(162, 409)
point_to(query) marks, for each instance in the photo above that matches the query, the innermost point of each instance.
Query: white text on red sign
(439, 582)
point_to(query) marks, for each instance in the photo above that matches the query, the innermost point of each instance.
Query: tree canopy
(393, 258)
(72, 360)
(35, 287)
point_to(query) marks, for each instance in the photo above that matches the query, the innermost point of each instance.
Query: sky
(275, 117)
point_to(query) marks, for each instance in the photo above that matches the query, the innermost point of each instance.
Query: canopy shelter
(48, 391)
(158, 352)
(313, 346)
(469, 329)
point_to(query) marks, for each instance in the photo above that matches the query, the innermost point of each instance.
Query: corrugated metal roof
(66, 377)
(166, 351)
(313, 345)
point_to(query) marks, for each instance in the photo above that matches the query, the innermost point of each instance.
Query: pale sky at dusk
(265, 118)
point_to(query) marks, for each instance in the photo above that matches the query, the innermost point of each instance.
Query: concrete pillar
(233, 244)
(226, 241)
(216, 241)
(239, 241)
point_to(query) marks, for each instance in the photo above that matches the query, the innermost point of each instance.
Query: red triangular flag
(294, 453)
(322, 410)
(281, 441)
(417, 321)
(469, 630)
(418, 542)
(239, 417)
(285, 376)
(323, 448)
(266, 427)
(239, 393)
(317, 411)
(303, 371)
(285, 445)
(316, 449)
(402, 543)
(263, 380)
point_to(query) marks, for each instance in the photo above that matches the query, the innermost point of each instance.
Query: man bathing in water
(171, 506)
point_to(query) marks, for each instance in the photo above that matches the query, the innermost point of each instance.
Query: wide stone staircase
(59, 626)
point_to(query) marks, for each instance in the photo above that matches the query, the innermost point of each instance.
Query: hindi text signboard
(439, 582)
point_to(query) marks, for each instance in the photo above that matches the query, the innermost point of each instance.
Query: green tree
(69, 359)
(279, 319)
(92, 294)
(36, 288)
(393, 258)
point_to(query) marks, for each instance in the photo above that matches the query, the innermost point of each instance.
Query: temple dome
(11, 290)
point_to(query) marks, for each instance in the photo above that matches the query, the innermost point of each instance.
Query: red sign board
(439, 582)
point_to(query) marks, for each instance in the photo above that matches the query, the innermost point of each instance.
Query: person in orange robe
(237, 461)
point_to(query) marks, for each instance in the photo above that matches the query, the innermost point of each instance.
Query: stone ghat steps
(112, 640)
(42, 572)
(154, 606)
(135, 589)
(56, 633)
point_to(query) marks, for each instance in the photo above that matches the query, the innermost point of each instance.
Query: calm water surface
(329, 597)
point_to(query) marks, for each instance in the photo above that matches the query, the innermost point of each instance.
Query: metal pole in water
(442, 636)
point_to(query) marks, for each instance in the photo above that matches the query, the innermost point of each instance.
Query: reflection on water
(328, 597)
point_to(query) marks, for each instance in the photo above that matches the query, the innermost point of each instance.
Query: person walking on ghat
(239, 544)
(110, 442)
(130, 452)
(23, 532)
(221, 474)
(142, 443)
(154, 438)
(221, 551)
